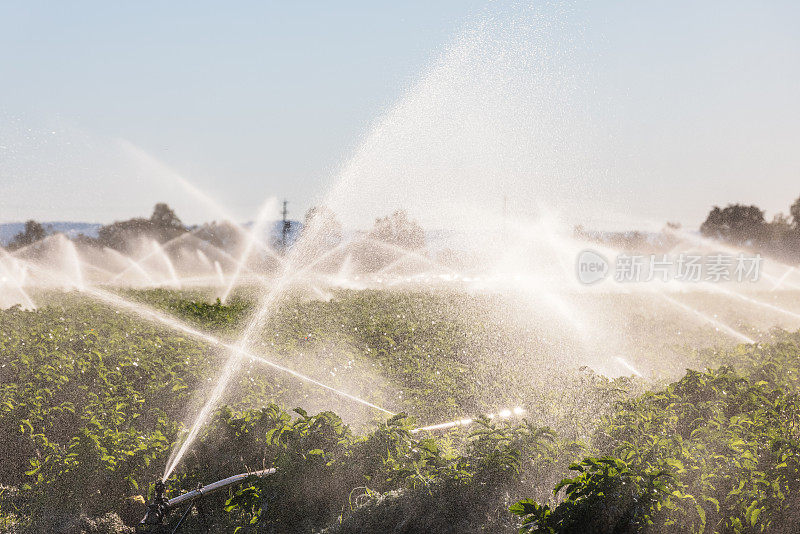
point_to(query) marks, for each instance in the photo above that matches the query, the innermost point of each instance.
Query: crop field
(94, 398)
(482, 267)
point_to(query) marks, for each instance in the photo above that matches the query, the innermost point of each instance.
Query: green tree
(119, 234)
(779, 231)
(166, 224)
(163, 225)
(794, 211)
(32, 233)
(736, 223)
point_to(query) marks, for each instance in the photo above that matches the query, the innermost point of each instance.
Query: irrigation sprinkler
(155, 519)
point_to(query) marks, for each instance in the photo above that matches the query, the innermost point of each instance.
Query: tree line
(163, 225)
(746, 226)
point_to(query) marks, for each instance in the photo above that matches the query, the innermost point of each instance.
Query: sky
(109, 107)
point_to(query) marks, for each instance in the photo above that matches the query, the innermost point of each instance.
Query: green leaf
(524, 507)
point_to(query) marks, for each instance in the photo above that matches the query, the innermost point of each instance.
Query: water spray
(237, 353)
(628, 366)
(719, 325)
(502, 414)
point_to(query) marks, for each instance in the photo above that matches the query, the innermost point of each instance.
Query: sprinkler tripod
(160, 507)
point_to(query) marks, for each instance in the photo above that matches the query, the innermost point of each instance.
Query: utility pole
(286, 224)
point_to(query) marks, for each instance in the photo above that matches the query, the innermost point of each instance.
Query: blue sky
(251, 99)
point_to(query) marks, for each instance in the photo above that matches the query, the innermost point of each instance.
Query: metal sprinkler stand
(160, 507)
(156, 510)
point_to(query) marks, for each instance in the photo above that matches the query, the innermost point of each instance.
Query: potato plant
(93, 400)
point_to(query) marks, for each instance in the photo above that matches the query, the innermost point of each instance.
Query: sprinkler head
(156, 510)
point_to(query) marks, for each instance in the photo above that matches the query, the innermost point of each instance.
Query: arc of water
(220, 274)
(71, 255)
(154, 251)
(195, 191)
(138, 267)
(718, 324)
(167, 263)
(267, 208)
(782, 279)
(136, 264)
(753, 301)
(22, 250)
(16, 281)
(152, 315)
(89, 267)
(23, 273)
(394, 264)
(710, 244)
(131, 264)
(501, 414)
(265, 307)
(350, 244)
(403, 253)
(628, 366)
(718, 289)
(203, 258)
(237, 352)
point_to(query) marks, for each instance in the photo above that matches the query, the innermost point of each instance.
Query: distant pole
(286, 224)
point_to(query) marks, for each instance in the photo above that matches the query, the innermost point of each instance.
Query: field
(93, 399)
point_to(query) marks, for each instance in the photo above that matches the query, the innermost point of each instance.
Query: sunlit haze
(658, 112)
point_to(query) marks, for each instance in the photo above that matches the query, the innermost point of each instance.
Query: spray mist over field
(465, 300)
(494, 150)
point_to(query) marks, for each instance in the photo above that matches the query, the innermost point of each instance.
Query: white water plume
(492, 147)
(707, 318)
(497, 114)
(147, 313)
(506, 413)
(268, 210)
(628, 366)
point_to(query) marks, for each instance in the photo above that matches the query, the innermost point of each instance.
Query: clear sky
(102, 104)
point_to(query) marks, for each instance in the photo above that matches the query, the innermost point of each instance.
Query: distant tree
(397, 229)
(782, 239)
(736, 223)
(85, 240)
(781, 220)
(32, 233)
(794, 211)
(779, 232)
(163, 225)
(119, 234)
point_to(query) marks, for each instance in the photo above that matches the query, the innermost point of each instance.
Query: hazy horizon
(685, 106)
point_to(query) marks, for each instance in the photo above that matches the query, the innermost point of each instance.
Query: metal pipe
(214, 486)
(158, 509)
